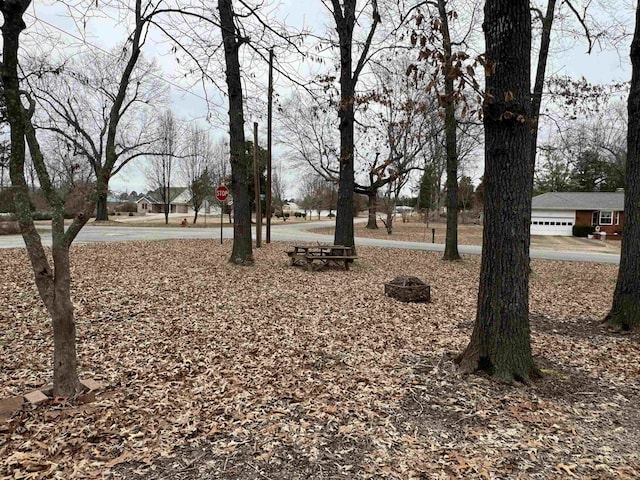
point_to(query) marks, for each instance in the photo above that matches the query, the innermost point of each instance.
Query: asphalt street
(286, 233)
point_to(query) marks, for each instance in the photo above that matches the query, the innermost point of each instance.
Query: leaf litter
(222, 372)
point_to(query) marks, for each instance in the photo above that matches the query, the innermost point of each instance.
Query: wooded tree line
(588, 157)
(450, 97)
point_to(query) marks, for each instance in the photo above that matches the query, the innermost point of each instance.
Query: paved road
(288, 233)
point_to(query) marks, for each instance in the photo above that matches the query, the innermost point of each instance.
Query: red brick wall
(583, 217)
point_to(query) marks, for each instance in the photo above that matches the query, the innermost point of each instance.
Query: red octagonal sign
(222, 192)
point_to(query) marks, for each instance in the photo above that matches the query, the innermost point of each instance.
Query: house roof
(579, 201)
(155, 196)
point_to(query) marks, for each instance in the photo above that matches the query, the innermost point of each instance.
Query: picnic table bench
(317, 257)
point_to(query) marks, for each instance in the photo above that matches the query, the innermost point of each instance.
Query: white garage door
(552, 222)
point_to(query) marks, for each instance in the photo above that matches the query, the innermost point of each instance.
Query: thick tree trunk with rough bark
(500, 343)
(242, 253)
(625, 309)
(102, 213)
(373, 210)
(102, 193)
(450, 126)
(60, 307)
(344, 233)
(344, 14)
(345, 21)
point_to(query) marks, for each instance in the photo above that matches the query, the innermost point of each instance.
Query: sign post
(222, 193)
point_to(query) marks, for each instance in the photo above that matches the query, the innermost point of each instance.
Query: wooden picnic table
(317, 257)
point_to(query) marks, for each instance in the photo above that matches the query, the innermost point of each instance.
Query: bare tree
(68, 168)
(451, 72)
(161, 166)
(307, 133)
(219, 164)
(233, 39)
(345, 15)
(53, 281)
(104, 123)
(278, 187)
(196, 168)
(403, 122)
(393, 127)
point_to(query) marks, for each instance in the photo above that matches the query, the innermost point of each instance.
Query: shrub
(6, 200)
(8, 227)
(301, 214)
(583, 230)
(48, 215)
(42, 215)
(127, 207)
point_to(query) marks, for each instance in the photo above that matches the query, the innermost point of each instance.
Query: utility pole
(269, 119)
(256, 186)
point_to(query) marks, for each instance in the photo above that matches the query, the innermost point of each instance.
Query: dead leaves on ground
(216, 371)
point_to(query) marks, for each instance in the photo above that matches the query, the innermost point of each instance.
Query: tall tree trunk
(53, 284)
(345, 21)
(102, 213)
(450, 126)
(167, 203)
(102, 192)
(60, 307)
(195, 216)
(501, 341)
(373, 204)
(115, 115)
(242, 253)
(344, 14)
(536, 97)
(625, 309)
(344, 233)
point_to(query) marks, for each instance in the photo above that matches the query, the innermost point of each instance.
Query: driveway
(292, 233)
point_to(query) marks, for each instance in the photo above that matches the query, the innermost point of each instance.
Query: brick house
(555, 213)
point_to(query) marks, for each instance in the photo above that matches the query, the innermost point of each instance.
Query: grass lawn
(213, 371)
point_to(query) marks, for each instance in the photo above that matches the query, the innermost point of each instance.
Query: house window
(606, 218)
(617, 218)
(144, 206)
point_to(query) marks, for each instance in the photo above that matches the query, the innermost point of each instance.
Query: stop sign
(222, 192)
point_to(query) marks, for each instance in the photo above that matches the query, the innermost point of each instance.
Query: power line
(106, 52)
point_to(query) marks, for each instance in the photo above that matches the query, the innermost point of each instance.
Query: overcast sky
(188, 99)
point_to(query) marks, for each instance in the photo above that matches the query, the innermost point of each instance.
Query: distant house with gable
(152, 202)
(555, 213)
